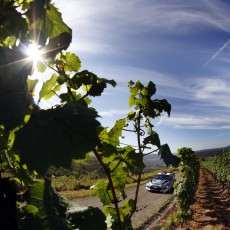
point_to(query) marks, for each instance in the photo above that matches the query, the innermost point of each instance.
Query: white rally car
(161, 182)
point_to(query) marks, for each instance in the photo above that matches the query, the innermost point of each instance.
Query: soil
(211, 209)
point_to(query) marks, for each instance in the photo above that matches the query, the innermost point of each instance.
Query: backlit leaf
(71, 61)
(103, 192)
(57, 136)
(46, 91)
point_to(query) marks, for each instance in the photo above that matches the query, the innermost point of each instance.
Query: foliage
(185, 188)
(33, 139)
(172, 222)
(219, 166)
(121, 163)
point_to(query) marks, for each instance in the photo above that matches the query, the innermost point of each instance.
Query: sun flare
(34, 54)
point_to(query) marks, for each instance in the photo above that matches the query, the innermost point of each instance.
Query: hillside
(211, 152)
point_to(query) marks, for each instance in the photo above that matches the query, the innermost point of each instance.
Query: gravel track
(148, 204)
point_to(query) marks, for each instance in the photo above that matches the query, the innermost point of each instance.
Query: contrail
(217, 53)
(162, 118)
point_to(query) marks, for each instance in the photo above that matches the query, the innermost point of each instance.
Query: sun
(34, 54)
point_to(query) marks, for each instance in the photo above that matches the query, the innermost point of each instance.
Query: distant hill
(154, 161)
(211, 152)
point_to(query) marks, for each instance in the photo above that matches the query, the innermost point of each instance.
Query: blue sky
(182, 46)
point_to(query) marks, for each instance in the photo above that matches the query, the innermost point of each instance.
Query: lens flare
(34, 54)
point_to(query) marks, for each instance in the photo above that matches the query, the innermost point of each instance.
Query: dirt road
(148, 203)
(212, 207)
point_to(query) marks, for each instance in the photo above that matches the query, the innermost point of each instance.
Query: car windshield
(161, 177)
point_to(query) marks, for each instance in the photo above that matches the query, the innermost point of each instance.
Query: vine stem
(108, 174)
(138, 129)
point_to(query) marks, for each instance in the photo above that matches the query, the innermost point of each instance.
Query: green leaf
(152, 139)
(132, 101)
(57, 136)
(34, 196)
(10, 41)
(168, 157)
(41, 67)
(12, 25)
(71, 62)
(103, 193)
(45, 209)
(154, 108)
(108, 210)
(31, 84)
(142, 101)
(144, 92)
(131, 115)
(128, 207)
(91, 83)
(151, 88)
(31, 209)
(133, 160)
(55, 25)
(110, 153)
(119, 177)
(116, 131)
(48, 87)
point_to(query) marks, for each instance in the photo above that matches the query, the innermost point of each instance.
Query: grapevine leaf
(9, 41)
(31, 209)
(142, 101)
(41, 67)
(14, 72)
(134, 90)
(131, 115)
(132, 101)
(45, 209)
(168, 157)
(71, 61)
(116, 131)
(153, 139)
(55, 24)
(108, 210)
(34, 197)
(128, 207)
(110, 153)
(57, 135)
(31, 84)
(91, 83)
(103, 193)
(155, 107)
(11, 23)
(151, 88)
(119, 177)
(46, 91)
(133, 160)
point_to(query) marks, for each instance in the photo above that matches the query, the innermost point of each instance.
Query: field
(77, 181)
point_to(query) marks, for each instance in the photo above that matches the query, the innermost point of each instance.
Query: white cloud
(97, 25)
(102, 27)
(186, 121)
(111, 113)
(212, 90)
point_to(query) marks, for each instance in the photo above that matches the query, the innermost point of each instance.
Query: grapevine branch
(108, 174)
